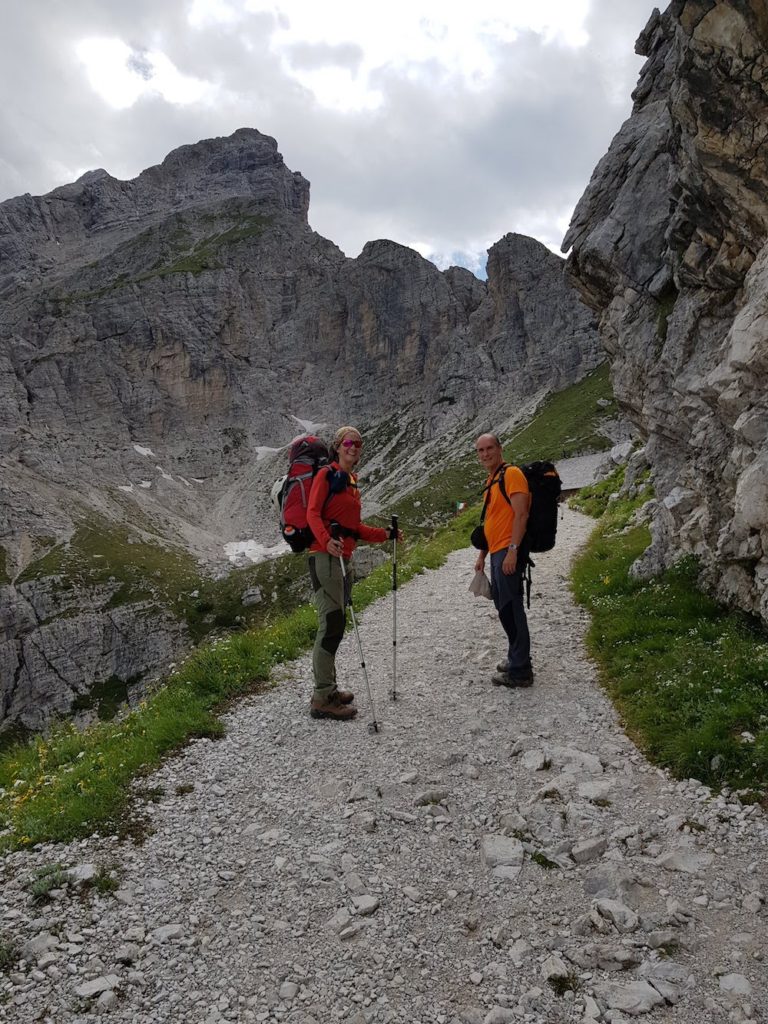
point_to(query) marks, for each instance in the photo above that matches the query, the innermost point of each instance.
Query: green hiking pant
(330, 601)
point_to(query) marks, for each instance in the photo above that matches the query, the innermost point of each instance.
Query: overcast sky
(441, 124)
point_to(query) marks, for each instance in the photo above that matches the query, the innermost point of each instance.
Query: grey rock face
(162, 339)
(669, 246)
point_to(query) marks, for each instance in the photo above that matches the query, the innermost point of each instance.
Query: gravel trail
(491, 855)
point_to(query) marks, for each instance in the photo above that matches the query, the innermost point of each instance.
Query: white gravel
(317, 872)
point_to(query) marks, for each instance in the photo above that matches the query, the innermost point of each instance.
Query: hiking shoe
(345, 696)
(503, 666)
(505, 679)
(331, 707)
(521, 681)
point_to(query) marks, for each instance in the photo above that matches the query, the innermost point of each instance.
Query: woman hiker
(335, 498)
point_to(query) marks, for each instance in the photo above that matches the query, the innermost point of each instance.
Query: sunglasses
(350, 442)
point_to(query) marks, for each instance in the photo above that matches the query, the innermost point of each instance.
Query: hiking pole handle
(393, 530)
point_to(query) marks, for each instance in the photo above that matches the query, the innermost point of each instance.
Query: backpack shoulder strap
(498, 479)
(502, 483)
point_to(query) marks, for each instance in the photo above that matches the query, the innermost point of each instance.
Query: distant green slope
(565, 426)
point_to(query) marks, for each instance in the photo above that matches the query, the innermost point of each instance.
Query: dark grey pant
(330, 601)
(507, 593)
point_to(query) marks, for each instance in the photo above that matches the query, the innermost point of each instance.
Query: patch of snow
(125, 487)
(263, 451)
(146, 484)
(308, 425)
(185, 482)
(163, 474)
(243, 551)
(198, 480)
(144, 451)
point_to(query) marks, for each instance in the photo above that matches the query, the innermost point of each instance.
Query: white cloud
(209, 12)
(121, 75)
(452, 41)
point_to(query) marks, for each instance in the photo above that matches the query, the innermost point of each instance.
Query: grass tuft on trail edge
(69, 784)
(689, 676)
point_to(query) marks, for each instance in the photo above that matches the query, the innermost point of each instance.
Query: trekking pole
(393, 535)
(373, 726)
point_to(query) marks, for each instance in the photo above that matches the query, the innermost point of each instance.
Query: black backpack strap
(527, 580)
(502, 484)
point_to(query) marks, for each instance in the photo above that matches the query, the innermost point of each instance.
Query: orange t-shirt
(500, 516)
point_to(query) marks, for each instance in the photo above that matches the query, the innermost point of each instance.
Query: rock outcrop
(162, 339)
(669, 245)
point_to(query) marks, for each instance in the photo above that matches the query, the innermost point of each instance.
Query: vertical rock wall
(668, 243)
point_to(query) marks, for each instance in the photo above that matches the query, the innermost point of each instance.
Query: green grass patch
(106, 696)
(68, 784)
(10, 954)
(562, 984)
(543, 860)
(689, 677)
(567, 423)
(51, 876)
(105, 882)
(593, 500)
(597, 500)
(693, 825)
(4, 574)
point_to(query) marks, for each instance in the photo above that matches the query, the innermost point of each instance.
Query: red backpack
(305, 457)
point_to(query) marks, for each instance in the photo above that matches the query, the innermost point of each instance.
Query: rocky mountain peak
(77, 222)
(244, 164)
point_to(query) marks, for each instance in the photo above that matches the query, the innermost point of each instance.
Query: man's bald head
(489, 452)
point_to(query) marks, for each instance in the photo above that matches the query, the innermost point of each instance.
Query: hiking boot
(331, 707)
(503, 666)
(521, 681)
(345, 696)
(505, 679)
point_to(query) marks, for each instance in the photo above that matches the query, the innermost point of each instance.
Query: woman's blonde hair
(339, 436)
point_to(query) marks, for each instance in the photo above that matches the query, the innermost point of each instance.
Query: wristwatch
(512, 547)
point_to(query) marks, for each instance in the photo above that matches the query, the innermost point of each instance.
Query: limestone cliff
(669, 245)
(162, 339)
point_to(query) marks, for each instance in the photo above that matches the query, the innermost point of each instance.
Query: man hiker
(504, 524)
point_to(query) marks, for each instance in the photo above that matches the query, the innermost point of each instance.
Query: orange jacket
(343, 508)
